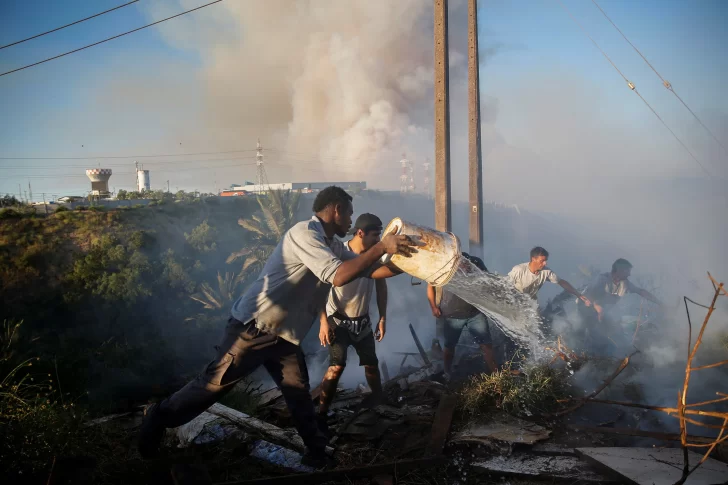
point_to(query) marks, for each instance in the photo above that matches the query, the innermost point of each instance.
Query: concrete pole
(475, 160)
(443, 212)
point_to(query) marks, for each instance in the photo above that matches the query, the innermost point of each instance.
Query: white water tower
(143, 183)
(99, 181)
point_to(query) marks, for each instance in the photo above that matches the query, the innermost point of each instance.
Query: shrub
(9, 213)
(537, 390)
(203, 237)
(139, 239)
(61, 208)
(97, 208)
(82, 208)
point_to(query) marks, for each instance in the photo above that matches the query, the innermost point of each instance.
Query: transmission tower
(407, 179)
(262, 179)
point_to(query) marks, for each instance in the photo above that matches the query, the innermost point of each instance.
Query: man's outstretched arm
(568, 287)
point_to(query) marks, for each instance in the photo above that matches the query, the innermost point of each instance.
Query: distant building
(304, 187)
(232, 193)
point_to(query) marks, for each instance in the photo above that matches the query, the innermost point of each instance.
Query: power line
(109, 165)
(67, 25)
(633, 88)
(73, 175)
(108, 157)
(665, 83)
(110, 38)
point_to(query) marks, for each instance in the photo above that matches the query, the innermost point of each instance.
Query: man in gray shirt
(345, 321)
(268, 322)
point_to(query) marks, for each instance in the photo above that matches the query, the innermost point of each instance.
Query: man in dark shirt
(457, 314)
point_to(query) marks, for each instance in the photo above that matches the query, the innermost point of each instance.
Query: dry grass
(537, 391)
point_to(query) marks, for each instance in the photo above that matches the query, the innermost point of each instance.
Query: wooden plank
(271, 433)
(395, 468)
(441, 425)
(190, 474)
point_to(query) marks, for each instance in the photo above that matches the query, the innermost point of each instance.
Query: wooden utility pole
(475, 160)
(443, 212)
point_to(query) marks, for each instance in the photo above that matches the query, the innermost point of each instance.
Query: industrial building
(304, 187)
(99, 181)
(142, 178)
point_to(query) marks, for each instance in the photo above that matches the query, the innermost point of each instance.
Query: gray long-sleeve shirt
(294, 283)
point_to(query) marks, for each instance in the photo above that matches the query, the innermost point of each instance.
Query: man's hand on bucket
(401, 244)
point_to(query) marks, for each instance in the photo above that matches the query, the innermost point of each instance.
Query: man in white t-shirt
(529, 277)
(345, 321)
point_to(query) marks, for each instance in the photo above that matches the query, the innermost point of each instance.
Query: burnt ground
(401, 429)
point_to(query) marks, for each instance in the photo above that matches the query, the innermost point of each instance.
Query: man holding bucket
(270, 319)
(345, 321)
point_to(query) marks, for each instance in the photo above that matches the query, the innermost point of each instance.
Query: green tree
(220, 298)
(122, 194)
(203, 237)
(277, 215)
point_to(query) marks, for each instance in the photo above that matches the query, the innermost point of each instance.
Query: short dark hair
(331, 195)
(539, 251)
(621, 263)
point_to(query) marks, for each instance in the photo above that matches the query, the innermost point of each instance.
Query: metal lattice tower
(428, 188)
(262, 179)
(403, 178)
(407, 179)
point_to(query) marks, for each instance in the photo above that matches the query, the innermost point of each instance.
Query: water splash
(515, 313)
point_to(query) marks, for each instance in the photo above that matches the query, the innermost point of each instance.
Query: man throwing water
(346, 322)
(269, 321)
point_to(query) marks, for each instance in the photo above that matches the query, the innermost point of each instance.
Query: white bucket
(437, 253)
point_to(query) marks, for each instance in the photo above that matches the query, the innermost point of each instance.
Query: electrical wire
(109, 157)
(110, 38)
(633, 88)
(67, 25)
(152, 164)
(170, 170)
(665, 82)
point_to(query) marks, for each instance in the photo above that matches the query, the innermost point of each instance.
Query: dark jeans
(244, 348)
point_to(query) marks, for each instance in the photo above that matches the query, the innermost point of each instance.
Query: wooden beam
(271, 433)
(441, 425)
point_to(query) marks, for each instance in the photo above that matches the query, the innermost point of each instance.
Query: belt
(354, 325)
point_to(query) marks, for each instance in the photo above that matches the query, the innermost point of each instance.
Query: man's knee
(334, 372)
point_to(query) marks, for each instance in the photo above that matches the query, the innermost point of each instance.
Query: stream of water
(515, 313)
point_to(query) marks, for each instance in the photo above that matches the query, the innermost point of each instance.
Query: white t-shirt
(352, 299)
(529, 283)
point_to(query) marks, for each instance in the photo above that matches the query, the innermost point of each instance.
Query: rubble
(556, 468)
(502, 427)
(279, 456)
